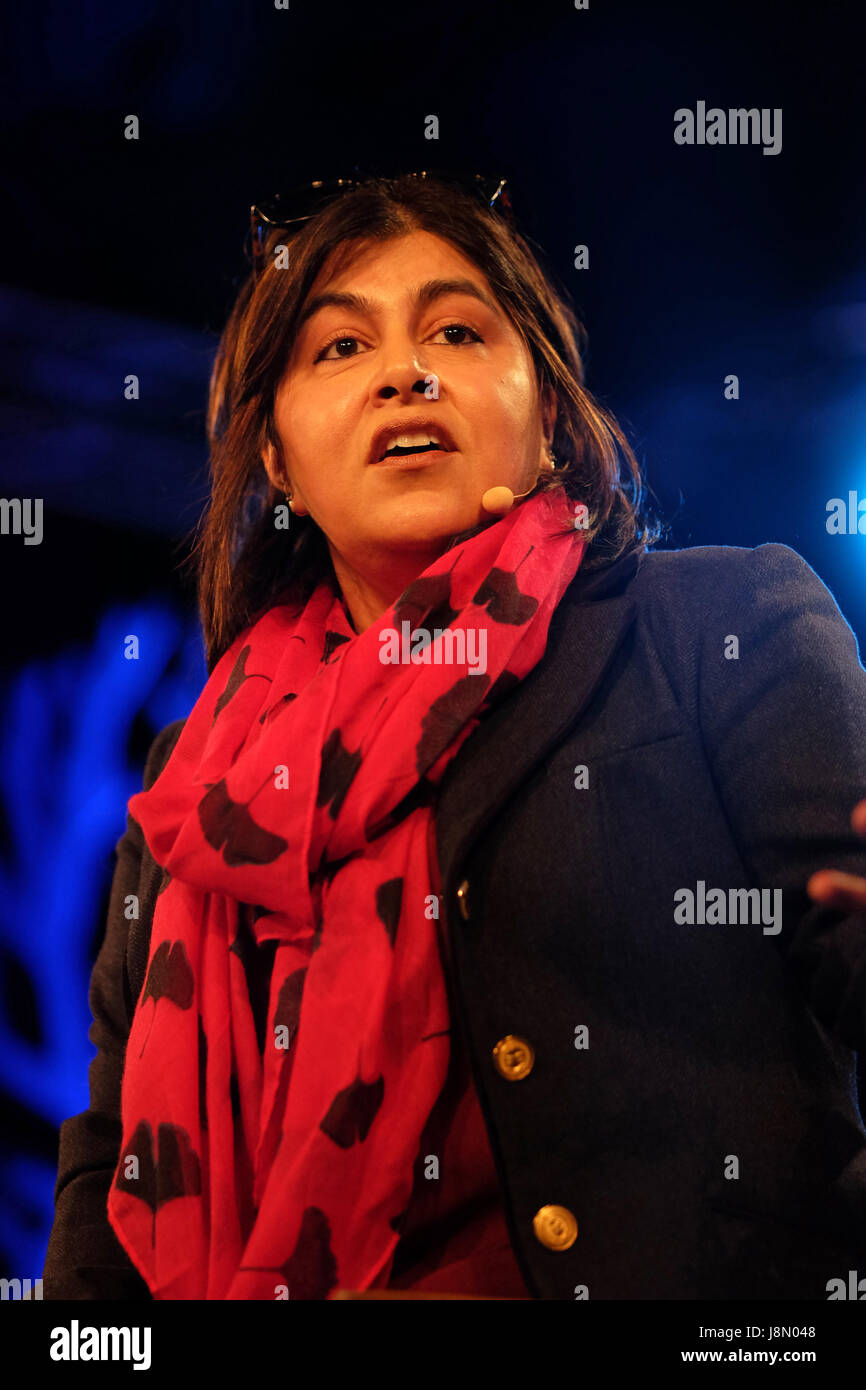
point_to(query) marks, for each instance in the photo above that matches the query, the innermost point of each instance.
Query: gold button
(463, 899)
(514, 1057)
(555, 1227)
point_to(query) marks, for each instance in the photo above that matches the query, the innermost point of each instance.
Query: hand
(835, 889)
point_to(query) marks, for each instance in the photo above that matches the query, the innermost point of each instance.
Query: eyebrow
(425, 295)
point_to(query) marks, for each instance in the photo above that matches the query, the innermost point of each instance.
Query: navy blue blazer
(682, 1119)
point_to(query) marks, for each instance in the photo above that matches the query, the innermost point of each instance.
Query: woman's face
(355, 368)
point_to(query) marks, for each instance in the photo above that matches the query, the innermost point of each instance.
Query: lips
(384, 438)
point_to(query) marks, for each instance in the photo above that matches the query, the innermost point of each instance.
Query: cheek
(310, 417)
(510, 409)
(300, 427)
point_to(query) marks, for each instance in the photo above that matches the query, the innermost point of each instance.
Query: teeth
(406, 441)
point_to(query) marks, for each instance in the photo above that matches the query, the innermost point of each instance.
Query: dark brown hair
(243, 562)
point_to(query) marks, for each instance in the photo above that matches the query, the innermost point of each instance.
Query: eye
(337, 342)
(461, 328)
(343, 338)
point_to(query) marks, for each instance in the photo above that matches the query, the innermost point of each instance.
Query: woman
(483, 903)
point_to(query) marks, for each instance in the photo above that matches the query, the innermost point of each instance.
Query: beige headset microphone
(500, 500)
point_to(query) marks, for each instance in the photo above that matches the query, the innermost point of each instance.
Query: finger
(858, 818)
(835, 889)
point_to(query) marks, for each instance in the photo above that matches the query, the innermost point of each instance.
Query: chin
(427, 525)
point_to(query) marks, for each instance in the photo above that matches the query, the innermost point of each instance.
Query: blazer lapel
(587, 627)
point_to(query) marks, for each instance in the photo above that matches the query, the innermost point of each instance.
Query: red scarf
(295, 809)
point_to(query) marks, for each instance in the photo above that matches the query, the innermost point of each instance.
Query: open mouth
(408, 450)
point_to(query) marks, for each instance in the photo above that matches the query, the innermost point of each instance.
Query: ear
(273, 466)
(549, 411)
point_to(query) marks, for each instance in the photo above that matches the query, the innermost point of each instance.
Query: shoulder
(692, 595)
(160, 751)
(760, 584)
(735, 567)
(697, 574)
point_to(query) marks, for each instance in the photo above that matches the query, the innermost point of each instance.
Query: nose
(401, 369)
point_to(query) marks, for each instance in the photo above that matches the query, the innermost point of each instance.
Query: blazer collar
(586, 629)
